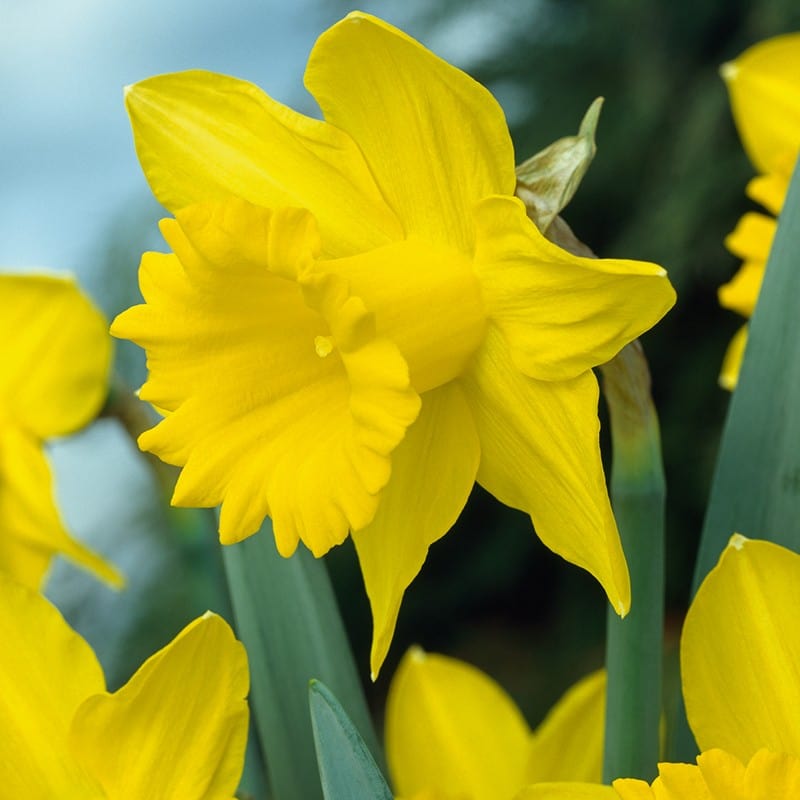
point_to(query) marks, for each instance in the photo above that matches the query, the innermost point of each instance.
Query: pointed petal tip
(737, 541)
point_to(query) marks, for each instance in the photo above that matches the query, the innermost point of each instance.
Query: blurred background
(666, 186)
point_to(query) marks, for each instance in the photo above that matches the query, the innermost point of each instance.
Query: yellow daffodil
(740, 668)
(55, 356)
(452, 732)
(371, 322)
(176, 731)
(764, 87)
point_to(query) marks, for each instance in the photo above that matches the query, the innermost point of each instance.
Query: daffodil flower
(176, 731)
(740, 669)
(764, 88)
(55, 355)
(358, 320)
(453, 732)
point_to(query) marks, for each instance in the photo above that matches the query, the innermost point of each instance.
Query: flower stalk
(634, 644)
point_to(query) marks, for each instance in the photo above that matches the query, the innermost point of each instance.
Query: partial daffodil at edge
(55, 356)
(740, 670)
(358, 320)
(176, 731)
(452, 733)
(764, 88)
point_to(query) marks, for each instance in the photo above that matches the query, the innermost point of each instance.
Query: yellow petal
(751, 239)
(743, 698)
(33, 532)
(741, 292)
(568, 745)
(177, 730)
(283, 400)
(435, 140)
(568, 791)
(560, 314)
(765, 97)
(732, 363)
(540, 453)
(450, 728)
(55, 354)
(203, 137)
(769, 190)
(675, 782)
(46, 672)
(433, 471)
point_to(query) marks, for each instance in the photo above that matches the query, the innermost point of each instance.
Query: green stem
(288, 619)
(634, 644)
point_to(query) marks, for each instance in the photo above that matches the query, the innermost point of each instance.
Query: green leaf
(547, 181)
(288, 619)
(756, 485)
(347, 769)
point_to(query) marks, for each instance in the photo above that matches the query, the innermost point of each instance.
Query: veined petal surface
(568, 745)
(33, 532)
(178, 729)
(765, 97)
(203, 137)
(561, 314)
(433, 471)
(744, 698)
(55, 354)
(435, 139)
(540, 453)
(452, 730)
(283, 399)
(46, 672)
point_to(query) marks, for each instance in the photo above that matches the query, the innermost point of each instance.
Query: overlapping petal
(178, 729)
(433, 471)
(720, 776)
(560, 314)
(567, 791)
(33, 532)
(202, 137)
(55, 354)
(540, 453)
(46, 672)
(435, 139)
(765, 98)
(568, 745)
(744, 698)
(283, 399)
(450, 728)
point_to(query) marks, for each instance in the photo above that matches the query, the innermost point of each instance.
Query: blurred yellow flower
(176, 731)
(372, 322)
(764, 87)
(740, 669)
(452, 733)
(55, 355)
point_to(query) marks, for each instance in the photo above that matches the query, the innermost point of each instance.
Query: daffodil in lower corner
(176, 731)
(358, 320)
(764, 88)
(55, 357)
(740, 671)
(452, 733)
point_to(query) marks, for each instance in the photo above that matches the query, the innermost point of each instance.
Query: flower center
(323, 345)
(426, 299)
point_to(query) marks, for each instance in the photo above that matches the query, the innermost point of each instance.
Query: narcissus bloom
(740, 669)
(371, 322)
(452, 732)
(176, 731)
(55, 355)
(764, 87)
